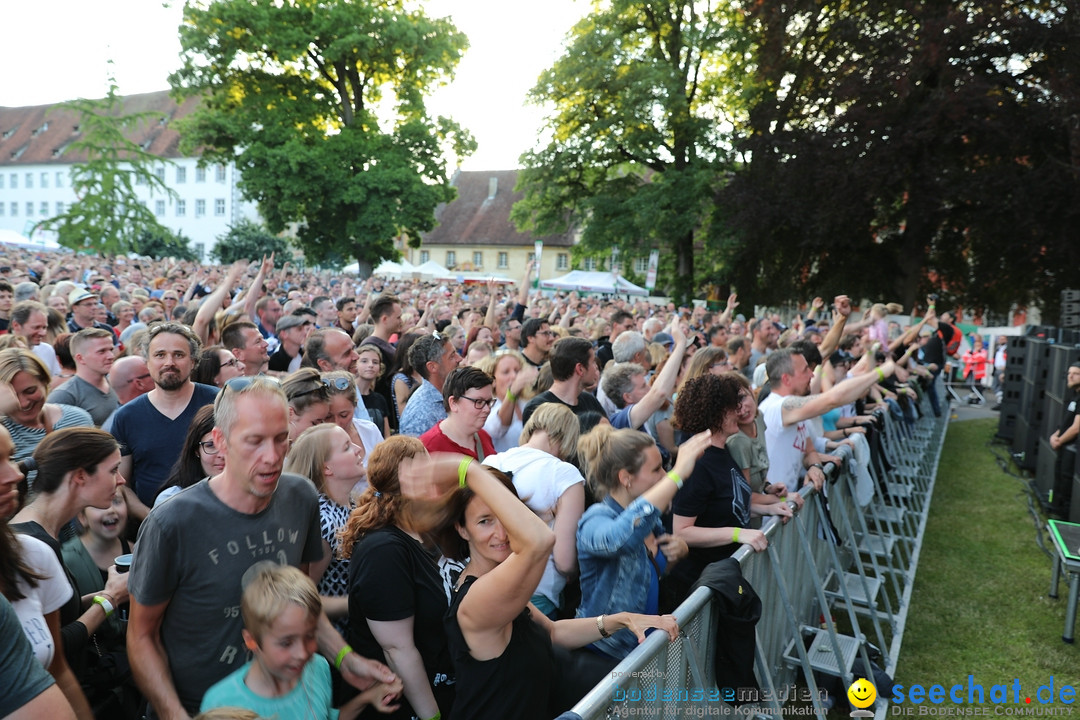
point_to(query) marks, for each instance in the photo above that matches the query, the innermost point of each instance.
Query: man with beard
(151, 428)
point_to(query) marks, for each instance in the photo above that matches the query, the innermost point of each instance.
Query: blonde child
(286, 677)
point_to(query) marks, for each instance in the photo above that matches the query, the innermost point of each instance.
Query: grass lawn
(980, 603)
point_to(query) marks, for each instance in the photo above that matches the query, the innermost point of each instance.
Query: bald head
(130, 378)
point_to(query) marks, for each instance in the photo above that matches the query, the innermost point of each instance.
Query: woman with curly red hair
(396, 595)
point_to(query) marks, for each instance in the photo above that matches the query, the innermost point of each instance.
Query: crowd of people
(390, 497)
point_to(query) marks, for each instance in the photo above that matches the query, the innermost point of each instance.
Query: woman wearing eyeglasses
(217, 366)
(199, 457)
(467, 396)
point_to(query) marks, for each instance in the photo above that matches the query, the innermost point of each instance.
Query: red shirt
(435, 440)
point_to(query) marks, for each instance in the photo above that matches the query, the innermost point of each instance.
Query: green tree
(247, 240)
(898, 148)
(161, 242)
(321, 106)
(637, 153)
(108, 216)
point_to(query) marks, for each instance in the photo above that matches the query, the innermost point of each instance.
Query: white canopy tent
(593, 282)
(10, 237)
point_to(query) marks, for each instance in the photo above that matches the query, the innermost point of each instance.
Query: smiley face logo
(862, 693)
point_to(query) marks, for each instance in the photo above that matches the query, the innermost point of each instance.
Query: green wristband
(341, 656)
(880, 374)
(735, 535)
(462, 468)
(675, 479)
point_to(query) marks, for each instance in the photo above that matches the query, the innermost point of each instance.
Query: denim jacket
(615, 565)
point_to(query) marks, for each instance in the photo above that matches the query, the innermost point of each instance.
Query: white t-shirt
(51, 593)
(786, 445)
(540, 480)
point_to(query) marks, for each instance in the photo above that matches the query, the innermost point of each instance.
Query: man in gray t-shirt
(194, 550)
(93, 352)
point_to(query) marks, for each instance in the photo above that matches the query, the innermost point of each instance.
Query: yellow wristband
(675, 479)
(510, 396)
(341, 656)
(880, 374)
(436, 716)
(463, 468)
(735, 535)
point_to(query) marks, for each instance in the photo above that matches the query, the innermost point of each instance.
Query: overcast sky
(56, 50)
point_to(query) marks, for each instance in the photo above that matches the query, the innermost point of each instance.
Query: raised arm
(797, 409)
(664, 384)
(213, 302)
(841, 311)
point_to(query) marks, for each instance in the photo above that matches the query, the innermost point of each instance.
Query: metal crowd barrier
(829, 608)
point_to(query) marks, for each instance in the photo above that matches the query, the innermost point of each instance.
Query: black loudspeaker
(1070, 309)
(1045, 470)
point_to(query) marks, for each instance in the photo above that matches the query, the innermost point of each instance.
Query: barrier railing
(830, 608)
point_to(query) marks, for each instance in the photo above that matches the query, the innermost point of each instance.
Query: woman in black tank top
(500, 643)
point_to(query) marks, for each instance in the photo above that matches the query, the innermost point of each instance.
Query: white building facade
(35, 177)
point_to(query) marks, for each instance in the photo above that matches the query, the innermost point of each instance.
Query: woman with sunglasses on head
(341, 387)
(199, 457)
(467, 397)
(309, 400)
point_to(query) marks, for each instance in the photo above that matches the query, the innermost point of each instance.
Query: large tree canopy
(896, 148)
(321, 105)
(637, 132)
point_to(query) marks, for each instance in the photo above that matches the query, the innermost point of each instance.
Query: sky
(64, 47)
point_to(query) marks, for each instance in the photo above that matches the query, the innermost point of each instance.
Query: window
(181, 208)
(200, 250)
(29, 209)
(43, 209)
(478, 259)
(59, 178)
(200, 208)
(59, 208)
(220, 173)
(14, 181)
(531, 257)
(562, 261)
(219, 207)
(590, 263)
(3, 207)
(140, 179)
(424, 256)
(159, 172)
(641, 265)
(451, 258)
(14, 209)
(29, 180)
(200, 174)
(504, 261)
(44, 179)
(1, 182)
(159, 208)
(181, 175)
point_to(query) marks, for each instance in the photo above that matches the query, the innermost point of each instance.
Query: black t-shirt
(517, 684)
(279, 361)
(1072, 402)
(376, 407)
(585, 403)
(934, 350)
(391, 578)
(717, 494)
